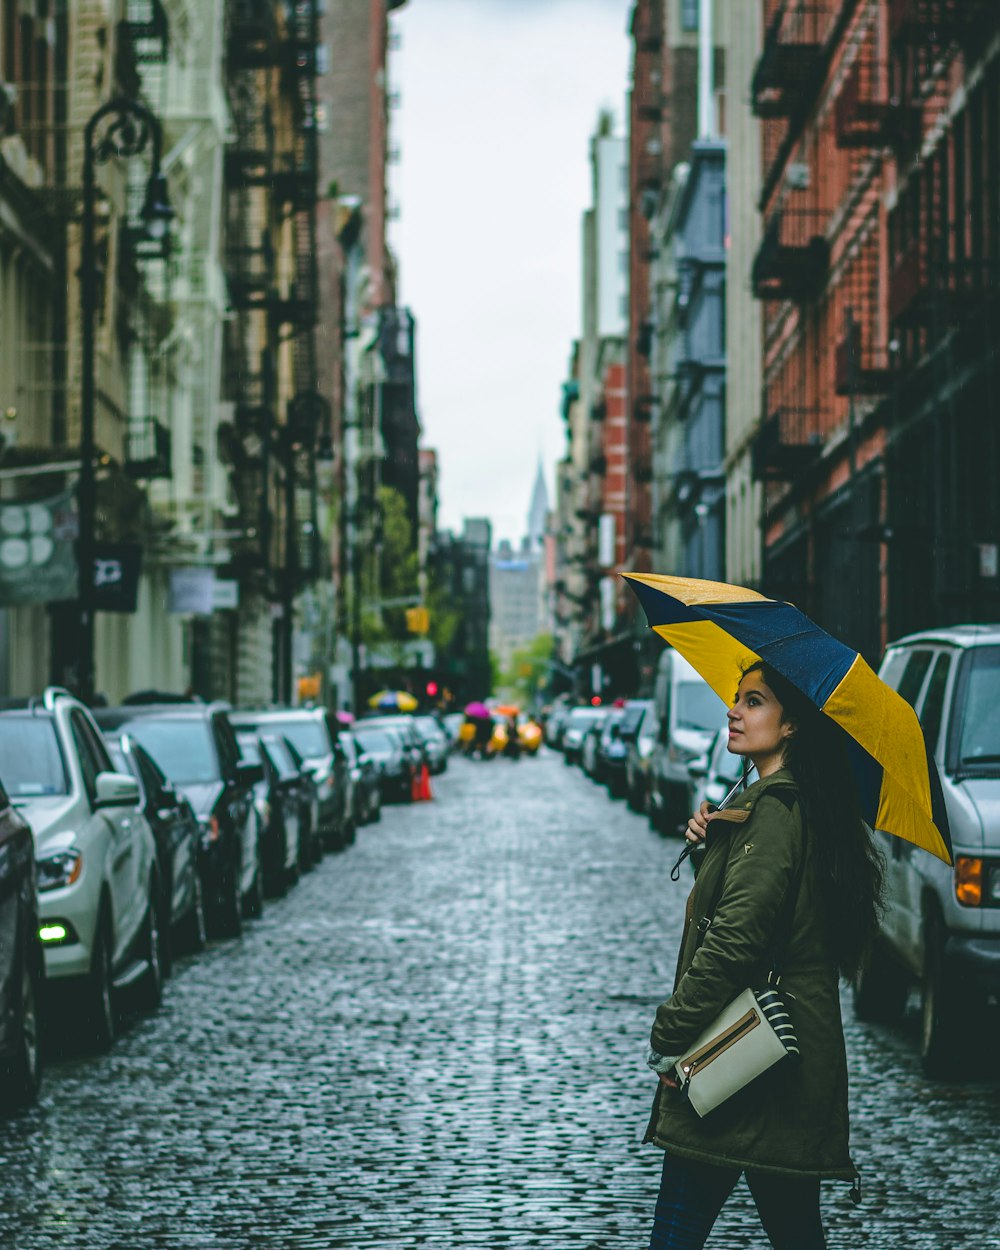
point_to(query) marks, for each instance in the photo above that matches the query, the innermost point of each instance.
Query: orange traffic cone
(424, 784)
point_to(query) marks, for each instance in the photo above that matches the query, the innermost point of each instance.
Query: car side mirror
(116, 790)
(249, 774)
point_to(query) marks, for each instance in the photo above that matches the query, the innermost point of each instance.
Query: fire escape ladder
(793, 258)
(789, 72)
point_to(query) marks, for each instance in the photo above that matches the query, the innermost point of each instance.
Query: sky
(498, 100)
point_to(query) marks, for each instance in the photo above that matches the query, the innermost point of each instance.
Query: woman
(789, 1129)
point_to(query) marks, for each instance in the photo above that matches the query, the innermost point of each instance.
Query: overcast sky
(498, 100)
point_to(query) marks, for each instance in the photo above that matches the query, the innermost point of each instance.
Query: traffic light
(418, 620)
(432, 689)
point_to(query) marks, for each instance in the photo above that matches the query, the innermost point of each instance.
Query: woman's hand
(697, 826)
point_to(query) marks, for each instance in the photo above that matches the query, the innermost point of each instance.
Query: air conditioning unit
(797, 177)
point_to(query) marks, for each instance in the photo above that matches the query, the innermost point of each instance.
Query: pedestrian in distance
(793, 847)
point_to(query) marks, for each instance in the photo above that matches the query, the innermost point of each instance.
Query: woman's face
(756, 725)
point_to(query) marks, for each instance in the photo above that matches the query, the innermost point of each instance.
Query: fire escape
(861, 362)
(789, 72)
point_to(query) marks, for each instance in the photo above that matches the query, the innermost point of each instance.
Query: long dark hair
(850, 869)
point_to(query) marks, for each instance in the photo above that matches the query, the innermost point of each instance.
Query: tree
(528, 670)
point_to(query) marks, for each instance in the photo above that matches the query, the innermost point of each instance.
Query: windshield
(976, 716)
(183, 748)
(307, 736)
(30, 760)
(632, 718)
(428, 726)
(581, 716)
(249, 747)
(376, 743)
(698, 706)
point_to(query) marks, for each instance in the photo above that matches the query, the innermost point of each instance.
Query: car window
(225, 739)
(376, 742)
(913, 675)
(349, 747)
(89, 764)
(32, 759)
(183, 747)
(281, 758)
(976, 713)
(697, 706)
(249, 747)
(933, 704)
(308, 736)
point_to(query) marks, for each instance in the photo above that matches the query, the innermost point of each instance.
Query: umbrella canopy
(507, 709)
(722, 629)
(393, 701)
(478, 711)
(345, 718)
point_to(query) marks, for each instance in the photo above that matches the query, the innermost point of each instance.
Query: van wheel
(941, 1017)
(879, 990)
(23, 1073)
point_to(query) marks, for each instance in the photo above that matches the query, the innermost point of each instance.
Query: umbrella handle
(675, 872)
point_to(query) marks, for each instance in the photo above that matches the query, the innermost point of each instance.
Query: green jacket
(793, 1119)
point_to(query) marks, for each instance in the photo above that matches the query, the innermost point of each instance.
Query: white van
(688, 712)
(941, 929)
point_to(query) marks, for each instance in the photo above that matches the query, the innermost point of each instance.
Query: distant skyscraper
(539, 510)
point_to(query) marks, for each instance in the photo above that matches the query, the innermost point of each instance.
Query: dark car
(315, 734)
(435, 740)
(413, 741)
(22, 967)
(392, 758)
(364, 773)
(612, 753)
(284, 850)
(178, 844)
(307, 788)
(195, 747)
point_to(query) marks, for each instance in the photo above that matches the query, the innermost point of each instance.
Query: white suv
(941, 927)
(97, 883)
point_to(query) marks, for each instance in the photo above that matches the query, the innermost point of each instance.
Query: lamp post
(121, 128)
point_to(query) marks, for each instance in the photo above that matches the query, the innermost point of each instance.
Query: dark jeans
(692, 1195)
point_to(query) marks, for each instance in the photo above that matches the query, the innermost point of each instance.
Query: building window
(689, 14)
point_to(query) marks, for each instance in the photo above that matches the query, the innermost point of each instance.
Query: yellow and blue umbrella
(721, 630)
(393, 701)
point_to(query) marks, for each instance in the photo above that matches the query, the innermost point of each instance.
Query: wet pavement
(437, 1039)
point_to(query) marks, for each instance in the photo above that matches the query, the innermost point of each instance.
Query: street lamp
(120, 129)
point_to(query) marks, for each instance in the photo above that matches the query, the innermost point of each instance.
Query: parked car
(941, 927)
(577, 724)
(639, 733)
(388, 751)
(555, 721)
(178, 846)
(22, 963)
(435, 742)
(195, 747)
(687, 713)
(98, 885)
(715, 773)
(590, 746)
(315, 734)
(403, 725)
(310, 815)
(612, 753)
(284, 848)
(365, 775)
(452, 723)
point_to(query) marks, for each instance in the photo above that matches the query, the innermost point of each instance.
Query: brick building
(877, 270)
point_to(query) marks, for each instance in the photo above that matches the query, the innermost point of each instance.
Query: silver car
(941, 928)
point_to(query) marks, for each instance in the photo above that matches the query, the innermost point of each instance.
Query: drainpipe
(706, 72)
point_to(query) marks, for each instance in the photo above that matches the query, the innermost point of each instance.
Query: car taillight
(969, 880)
(211, 830)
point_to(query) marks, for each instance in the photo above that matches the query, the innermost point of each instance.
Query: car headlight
(59, 870)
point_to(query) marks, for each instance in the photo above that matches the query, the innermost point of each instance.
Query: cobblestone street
(437, 1039)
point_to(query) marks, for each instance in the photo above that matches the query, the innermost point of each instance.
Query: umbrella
(721, 629)
(345, 718)
(478, 711)
(507, 709)
(393, 701)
